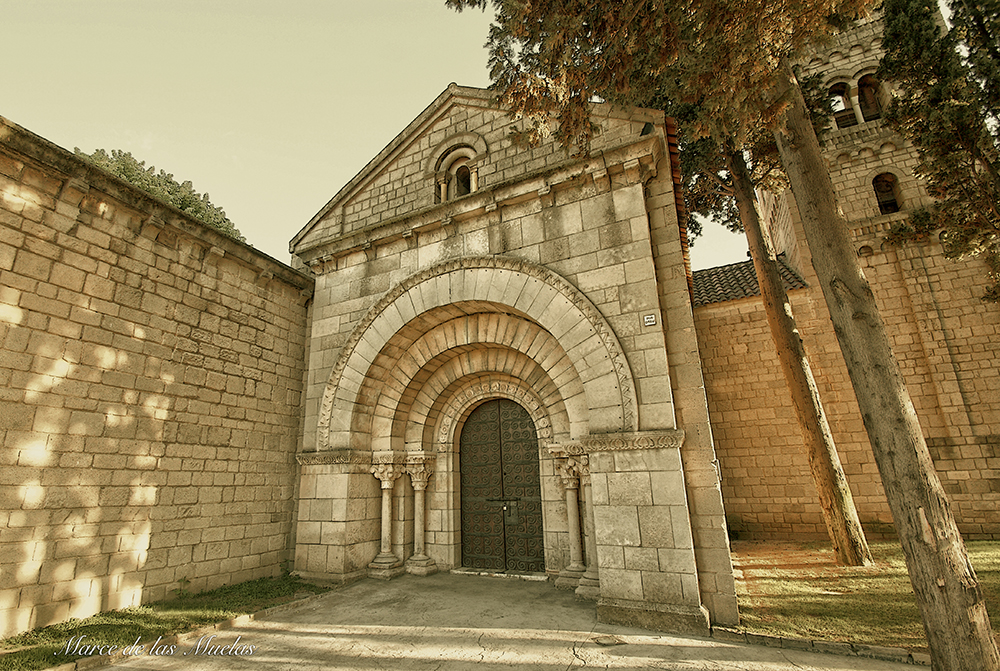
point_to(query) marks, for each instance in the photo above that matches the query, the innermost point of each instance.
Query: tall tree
(162, 185)
(552, 56)
(836, 501)
(948, 106)
(723, 187)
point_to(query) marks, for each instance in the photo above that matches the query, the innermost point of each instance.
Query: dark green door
(500, 489)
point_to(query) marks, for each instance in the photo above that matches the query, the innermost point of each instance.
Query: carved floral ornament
(616, 442)
(388, 466)
(520, 394)
(600, 325)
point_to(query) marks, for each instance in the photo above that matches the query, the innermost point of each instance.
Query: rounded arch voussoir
(522, 288)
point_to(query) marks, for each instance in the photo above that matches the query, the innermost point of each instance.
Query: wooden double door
(500, 490)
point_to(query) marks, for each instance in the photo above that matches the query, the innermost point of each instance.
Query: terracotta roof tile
(737, 280)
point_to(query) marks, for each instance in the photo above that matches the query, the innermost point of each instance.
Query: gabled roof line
(439, 104)
(453, 90)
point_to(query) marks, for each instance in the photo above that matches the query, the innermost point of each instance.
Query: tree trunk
(835, 498)
(951, 602)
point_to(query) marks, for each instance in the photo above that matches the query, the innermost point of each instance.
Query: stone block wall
(766, 484)
(943, 336)
(645, 549)
(558, 283)
(945, 340)
(150, 380)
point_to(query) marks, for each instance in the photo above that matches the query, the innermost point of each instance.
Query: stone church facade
(487, 358)
(460, 276)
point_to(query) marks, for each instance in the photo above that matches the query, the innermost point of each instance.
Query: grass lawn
(37, 649)
(797, 590)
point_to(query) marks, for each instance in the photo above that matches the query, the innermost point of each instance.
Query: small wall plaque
(649, 320)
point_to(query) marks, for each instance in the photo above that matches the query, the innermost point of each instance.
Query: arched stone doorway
(501, 497)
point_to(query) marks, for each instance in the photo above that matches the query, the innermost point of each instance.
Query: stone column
(590, 583)
(442, 187)
(386, 565)
(567, 467)
(420, 475)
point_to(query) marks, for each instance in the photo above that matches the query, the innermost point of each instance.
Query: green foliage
(163, 186)
(707, 64)
(948, 107)
(550, 58)
(182, 591)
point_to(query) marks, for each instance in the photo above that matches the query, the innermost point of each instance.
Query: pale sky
(269, 107)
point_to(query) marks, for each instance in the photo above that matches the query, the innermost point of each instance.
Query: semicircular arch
(497, 284)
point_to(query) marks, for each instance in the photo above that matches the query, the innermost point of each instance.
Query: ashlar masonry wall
(150, 379)
(946, 341)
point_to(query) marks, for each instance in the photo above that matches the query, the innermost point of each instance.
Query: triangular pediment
(422, 167)
(400, 179)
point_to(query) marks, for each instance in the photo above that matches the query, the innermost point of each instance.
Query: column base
(589, 588)
(386, 566)
(569, 577)
(421, 565)
(674, 618)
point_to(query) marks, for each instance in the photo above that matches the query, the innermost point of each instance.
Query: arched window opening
(843, 113)
(463, 181)
(886, 193)
(456, 175)
(869, 98)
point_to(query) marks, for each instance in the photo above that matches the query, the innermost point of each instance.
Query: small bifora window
(869, 98)
(843, 113)
(886, 193)
(456, 175)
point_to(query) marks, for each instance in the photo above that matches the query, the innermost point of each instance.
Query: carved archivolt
(626, 385)
(458, 406)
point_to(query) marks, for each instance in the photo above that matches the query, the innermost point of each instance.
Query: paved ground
(452, 622)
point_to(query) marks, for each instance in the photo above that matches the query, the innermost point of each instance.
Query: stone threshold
(531, 577)
(879, 652)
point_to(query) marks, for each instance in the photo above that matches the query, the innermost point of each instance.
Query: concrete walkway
(451, 622)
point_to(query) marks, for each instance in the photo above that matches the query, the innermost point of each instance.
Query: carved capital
(572, 464)
(387, 474)
(418, 466)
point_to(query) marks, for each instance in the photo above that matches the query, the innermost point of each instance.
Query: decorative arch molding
(557, 306)
(473, 140)
(866, 70)
(415, 422)
(477, 390)
(410, 372)
(839, 77)
(881, 170)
